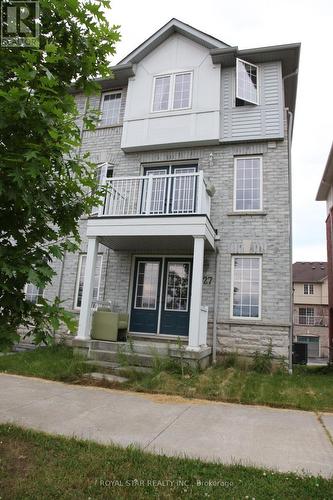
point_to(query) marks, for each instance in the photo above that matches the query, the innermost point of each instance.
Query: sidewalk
(286, 440)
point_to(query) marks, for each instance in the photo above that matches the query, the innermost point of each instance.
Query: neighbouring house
(325, 193)
(193, 238)
(311, 307)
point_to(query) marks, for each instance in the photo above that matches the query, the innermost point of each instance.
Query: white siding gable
(199, 124)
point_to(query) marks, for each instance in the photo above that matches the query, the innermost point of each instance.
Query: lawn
(309, 388)
(55, 363)
(36, 466)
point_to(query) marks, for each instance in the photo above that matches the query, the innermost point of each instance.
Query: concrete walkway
(285, 440)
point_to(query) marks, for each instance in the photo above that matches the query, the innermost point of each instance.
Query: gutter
(216, 297)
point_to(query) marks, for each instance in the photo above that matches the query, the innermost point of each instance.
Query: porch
(163, 222)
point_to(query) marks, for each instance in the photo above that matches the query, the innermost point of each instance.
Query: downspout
(216, 296)
(290, 128)
(291, 333)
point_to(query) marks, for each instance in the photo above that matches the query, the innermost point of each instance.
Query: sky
(259, 23)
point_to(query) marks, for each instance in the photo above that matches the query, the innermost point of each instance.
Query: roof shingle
(309, 272)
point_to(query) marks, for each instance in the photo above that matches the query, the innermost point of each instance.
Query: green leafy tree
(46, 185)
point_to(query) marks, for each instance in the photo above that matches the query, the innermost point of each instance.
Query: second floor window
(172, 92)
(308, 288)
(306, 316)
(110, 109)
(248, 184)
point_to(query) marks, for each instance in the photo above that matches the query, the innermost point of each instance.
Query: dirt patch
(17, 457)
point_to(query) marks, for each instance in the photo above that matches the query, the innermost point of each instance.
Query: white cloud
(262, 23)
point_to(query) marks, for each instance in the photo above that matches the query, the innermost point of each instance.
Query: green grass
(309, 388)
(37, 466)
(55, 363)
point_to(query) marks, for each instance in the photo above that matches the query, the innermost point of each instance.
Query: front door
(161, 296)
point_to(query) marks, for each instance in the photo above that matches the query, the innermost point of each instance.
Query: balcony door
(169, 195)
(161, 296)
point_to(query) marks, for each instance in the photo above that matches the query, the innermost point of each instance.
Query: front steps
(144, 353)
(127, 353)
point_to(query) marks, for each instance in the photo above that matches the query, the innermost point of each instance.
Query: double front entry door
(161, 295)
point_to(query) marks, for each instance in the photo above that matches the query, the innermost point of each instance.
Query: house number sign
(207, 280)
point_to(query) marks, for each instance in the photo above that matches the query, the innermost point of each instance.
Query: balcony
(155, 212)
(307, 320)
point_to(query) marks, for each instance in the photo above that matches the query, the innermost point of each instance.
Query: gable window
(161, 93)
(246, 83)
(80, 279)
(248, 184)
(246, 287)
(308, 288)
(306, 315)
(110, 109)
(33, 293)
(172, 91)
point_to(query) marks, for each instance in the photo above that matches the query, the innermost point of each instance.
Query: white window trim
(104, 94)
(247, 103)
(78, 274)
(308, 285)
(136, 286)
(245, 318)
(172, 76)
(188, 288)
(253, 157)
(25, 293)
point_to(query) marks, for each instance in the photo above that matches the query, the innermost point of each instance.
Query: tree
(46, 185)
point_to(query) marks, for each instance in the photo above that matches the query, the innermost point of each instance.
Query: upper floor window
(103, 172)
(33, 293)
(248, 184)
(172, 91)
(110, 109)
(306, 316)
(246, 83)
(308, 288)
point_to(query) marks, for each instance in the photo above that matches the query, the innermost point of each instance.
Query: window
(110, 109)
(172, 92)
(33, 293)
(146, 285)
(246, 83)
(306, 315)
(80, 279)
(308, 288)
(246, 287)
(161, 93)
(177, 286)
(248, 184)
(103, 172)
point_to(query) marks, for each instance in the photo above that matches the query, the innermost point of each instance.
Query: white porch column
(196, 292)
(88, 287)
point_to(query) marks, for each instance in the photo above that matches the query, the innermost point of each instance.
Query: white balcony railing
(169, 194)
(306, 320)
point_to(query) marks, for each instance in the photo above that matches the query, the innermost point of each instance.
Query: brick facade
(265, 234)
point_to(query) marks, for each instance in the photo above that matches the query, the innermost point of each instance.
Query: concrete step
(150, 348)
(107, 366)
(113, 357)
(138, 369)
(106, 376)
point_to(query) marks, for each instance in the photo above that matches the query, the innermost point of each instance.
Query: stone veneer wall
(265, 234)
